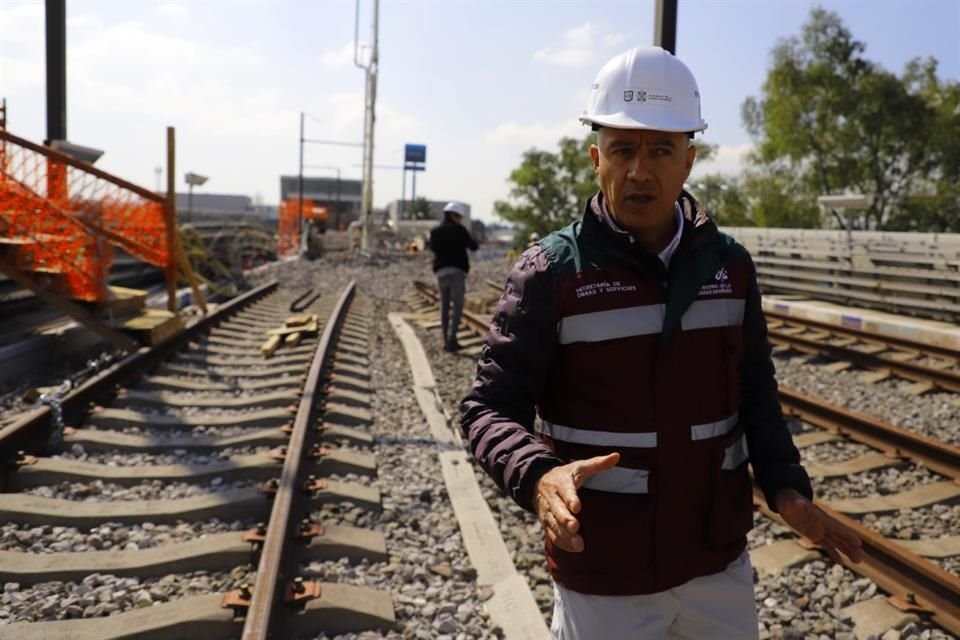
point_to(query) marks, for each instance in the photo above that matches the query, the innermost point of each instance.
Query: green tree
(840, 123)
(419, 209)
(548, 189)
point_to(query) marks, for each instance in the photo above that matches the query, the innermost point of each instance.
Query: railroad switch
(908, 602)
(301, 590)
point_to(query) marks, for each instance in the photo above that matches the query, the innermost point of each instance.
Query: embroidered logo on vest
(720, 285)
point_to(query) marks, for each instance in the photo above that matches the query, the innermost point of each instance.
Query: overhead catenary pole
(368, 126)
(170, 219)
(300, 186)
(56, 30)
(665, 25)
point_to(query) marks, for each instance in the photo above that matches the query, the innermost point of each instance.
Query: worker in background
(636, 336)
(449, 242)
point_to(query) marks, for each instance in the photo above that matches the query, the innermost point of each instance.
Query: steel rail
(261, 614)
(916, 584)
(941, 457)
(31, 431)
(945, 379)
(922, 348)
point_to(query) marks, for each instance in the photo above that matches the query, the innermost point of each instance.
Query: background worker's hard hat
(645, 88)
(457, 208)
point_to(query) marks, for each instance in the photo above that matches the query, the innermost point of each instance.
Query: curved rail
(261, 617)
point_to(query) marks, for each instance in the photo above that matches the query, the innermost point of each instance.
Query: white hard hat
(456, 207)
(645, 88)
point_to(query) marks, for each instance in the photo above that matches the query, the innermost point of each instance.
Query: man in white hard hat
(636, 336)
(449, 242)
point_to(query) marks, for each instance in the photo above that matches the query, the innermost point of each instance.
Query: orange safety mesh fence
(288, 227)
(60, 218)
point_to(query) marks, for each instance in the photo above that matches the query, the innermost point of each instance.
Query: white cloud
(729, 159)
(174, 10)
(578, 46)
(535, 134)
(342, 57)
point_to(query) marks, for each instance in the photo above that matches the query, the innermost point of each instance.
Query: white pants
(714, 607)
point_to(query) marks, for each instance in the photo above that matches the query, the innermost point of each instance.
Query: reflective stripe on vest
(706, 314)
(736, 454)
(610, 325)
(599, 438)
(713, 429)
(619, 480)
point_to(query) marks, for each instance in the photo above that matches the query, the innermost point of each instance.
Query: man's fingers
(591, 466)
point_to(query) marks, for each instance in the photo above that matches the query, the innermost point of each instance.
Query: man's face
(457, 218)
(641, 174)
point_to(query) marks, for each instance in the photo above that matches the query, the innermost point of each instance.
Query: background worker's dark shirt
(449, 243)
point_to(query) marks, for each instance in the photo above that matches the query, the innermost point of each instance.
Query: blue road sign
(415, 153)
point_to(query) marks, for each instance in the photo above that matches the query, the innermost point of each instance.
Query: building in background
(342, 198)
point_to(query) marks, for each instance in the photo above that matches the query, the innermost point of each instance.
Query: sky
(477, 82)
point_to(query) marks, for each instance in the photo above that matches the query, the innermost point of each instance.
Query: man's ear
(691, 157)
(595, 156)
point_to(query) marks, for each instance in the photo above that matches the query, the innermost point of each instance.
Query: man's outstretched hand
(557, 503)
(809, 520)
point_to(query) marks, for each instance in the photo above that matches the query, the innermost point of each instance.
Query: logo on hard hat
(627, 96)
(641, 96)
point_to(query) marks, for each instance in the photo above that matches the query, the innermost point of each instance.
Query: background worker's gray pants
(452, 286)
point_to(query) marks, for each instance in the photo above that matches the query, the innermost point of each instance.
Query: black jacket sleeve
(773, 456)
(498, 413)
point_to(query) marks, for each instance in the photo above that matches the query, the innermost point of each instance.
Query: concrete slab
(97, 440)
(772, 559)
(232, 504)
(940, 333)
(342, 609)
(122, 418)
(349, 397)
(263, 371)
(334, 434)
(190, 617)
(136, 397)
(212, 552)
(921, 496)
(50, 471)
(814, 437)
(865, 462)
(171, 383)
(347, 415)
(942, 547)
(873, 618)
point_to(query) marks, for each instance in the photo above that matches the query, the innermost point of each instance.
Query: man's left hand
(811, 521)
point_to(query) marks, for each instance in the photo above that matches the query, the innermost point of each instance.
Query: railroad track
(928, 366)
(907, 570)
(185, 504)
